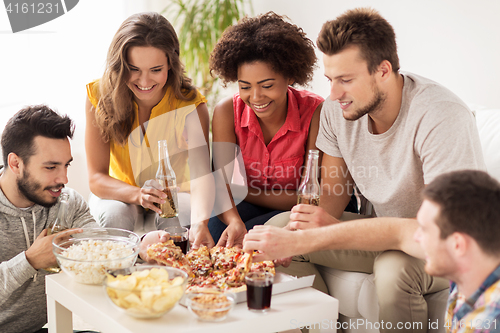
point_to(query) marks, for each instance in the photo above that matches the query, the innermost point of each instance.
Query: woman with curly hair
(143, 97)
(273, 123)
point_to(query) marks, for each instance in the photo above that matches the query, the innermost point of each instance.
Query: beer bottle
(309, 189)
(59, 224)
(165, 175)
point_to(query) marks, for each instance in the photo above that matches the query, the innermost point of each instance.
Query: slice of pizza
(169, 254)
(263, 266)
(235, 277)
(225, 259)
(200, 262)
(203, 283)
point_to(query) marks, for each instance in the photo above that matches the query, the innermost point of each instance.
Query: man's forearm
(376, 234)
(335, 197)
(13, 273)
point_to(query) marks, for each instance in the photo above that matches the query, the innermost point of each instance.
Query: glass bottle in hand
(165, 175)
(59, 224)
(309, 189)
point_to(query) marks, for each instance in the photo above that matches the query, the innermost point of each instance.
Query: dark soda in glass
(259, 290)
(181, 242)
(259, 297)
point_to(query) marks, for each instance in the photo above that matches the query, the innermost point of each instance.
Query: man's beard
(28, 188)
(375, 104)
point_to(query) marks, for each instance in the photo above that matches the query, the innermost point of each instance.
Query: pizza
(210, 270)
(200, 261)
(263, 266)
(224, 259)
(169, 254)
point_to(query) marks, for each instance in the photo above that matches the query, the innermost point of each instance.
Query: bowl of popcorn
(210, 306)
(86, 256)
(145, 291)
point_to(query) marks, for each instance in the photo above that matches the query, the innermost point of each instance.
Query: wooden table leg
(60, 318)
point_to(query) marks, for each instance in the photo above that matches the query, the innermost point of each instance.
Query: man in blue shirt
(457, 232)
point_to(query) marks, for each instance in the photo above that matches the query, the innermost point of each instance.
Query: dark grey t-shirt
(434, 133)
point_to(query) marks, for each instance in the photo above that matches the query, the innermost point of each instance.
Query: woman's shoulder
(224, 108)
(193, 96)
(93, 92)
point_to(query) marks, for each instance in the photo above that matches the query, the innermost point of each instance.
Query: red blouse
(279, 164)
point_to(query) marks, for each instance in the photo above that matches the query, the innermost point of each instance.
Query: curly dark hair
(267, 38)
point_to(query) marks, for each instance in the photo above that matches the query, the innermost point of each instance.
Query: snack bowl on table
(86, 256)
(145, 291)
(210, 306)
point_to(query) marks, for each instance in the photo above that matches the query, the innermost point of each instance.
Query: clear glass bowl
(209, 306)
(145, 291)
(88, 255)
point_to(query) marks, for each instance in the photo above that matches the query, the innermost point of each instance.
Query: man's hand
(273, 243)
(308, 216)
(151, 193)
(233, 235)
(152, 237)
(200, 235)
(285, 262)
(40, 254)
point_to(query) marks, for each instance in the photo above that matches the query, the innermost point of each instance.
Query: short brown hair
(366, 29)
(469, 203)
(30, 122)
(268, 38)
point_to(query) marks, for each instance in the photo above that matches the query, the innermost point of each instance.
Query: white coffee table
(288, 310)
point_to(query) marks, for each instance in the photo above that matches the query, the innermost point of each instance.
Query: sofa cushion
(345, 286)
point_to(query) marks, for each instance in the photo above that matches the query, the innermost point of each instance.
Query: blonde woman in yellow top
(144, 97)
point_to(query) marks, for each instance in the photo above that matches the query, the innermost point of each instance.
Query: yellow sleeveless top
(137, 161)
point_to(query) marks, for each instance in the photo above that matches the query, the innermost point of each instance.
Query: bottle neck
(163, 158)
(61, 221)
(312, 167)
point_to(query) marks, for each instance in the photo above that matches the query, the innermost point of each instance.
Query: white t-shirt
(434, 133)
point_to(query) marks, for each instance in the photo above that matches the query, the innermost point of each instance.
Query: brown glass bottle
(309, 189)
(59, 224)
(165, 175)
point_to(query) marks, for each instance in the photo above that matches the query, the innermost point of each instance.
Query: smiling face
(262, 89)
(351, 84)
(148, 74)
(439, 261)
(43, 177)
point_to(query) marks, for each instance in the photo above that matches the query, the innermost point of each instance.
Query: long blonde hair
(115, 116)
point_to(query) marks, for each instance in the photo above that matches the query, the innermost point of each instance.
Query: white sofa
(356, 291)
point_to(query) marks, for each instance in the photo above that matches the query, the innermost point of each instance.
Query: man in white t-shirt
(391, 134)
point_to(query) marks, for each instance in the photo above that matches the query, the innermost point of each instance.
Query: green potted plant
(199, 25)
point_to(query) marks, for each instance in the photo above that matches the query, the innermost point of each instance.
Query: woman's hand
(233, 235)
(200, 235)
(151, 193)
(152, 237)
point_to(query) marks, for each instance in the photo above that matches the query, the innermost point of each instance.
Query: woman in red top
(272, 123)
